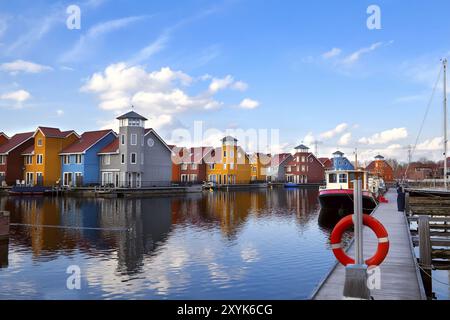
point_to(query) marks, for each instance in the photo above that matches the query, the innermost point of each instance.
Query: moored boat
(336, 197)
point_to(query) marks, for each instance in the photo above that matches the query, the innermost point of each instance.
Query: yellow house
(42, 161)
(260, 162)
(229, 165)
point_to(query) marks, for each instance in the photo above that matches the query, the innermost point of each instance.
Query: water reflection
(259, 244)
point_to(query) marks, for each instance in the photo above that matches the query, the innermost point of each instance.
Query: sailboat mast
(445, 122)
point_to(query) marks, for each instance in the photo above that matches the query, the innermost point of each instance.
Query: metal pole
(358, 221)
(445, 123)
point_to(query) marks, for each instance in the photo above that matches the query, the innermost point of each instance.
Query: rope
(424, 119)
(431, 277)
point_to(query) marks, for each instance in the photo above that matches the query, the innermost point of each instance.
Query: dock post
(425, 254)
(407, 207)
(355, 286)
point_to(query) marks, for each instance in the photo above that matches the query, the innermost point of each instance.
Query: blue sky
(311, 69)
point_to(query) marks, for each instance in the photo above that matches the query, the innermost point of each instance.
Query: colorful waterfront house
(3, 138)
(11, 159)
(42, 160)
(80, 163)
(228, 164)
(260, 163)
(340, 162)
(138, 158)
(304, 167)
(381, 168)
(277, 169)
(189, 164)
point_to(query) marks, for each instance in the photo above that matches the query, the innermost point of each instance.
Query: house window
(122, 139)
(184, 178)
(332, 178)
(231, 153)
(303, 168)
(224, 154)
(303, 159)
(78, 178)
(134, 139)
(142, 159)
(184, 167)
(66, 159)
(28, 159)
(212, 166)
(107, 159)
(133, 158)
(288, 169)
(78, 158)
(254, 169)
(224, 166)
(193, 178)
(194, 166)
(39, 159)
(2, 159)
(122, 158)
(343, 178)
(231, 166)
(39, 142)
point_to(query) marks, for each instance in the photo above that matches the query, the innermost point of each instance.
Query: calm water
(261, 245)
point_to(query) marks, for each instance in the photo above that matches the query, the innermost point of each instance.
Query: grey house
(277, 171)
(137, 158)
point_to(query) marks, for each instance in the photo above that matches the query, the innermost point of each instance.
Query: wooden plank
(425, 254)
(400, 277)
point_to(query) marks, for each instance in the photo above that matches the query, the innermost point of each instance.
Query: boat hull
(341, 201)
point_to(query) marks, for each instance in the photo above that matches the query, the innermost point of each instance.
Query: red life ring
(372, 223)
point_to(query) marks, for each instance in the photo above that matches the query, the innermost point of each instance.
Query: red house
(381, 168)
(304, 167)
(327, 163)
(189, 164)
(11, 159)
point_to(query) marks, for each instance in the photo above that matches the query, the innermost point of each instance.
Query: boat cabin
(343, 179)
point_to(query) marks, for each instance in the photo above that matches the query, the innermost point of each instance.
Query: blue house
(341, 163)
(80, 163)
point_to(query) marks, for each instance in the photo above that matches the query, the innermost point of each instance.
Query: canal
(223, 245)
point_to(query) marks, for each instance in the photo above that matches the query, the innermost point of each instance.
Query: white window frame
(194, 166)
(133, 139)
(78, 157)
(2, 159)
(135, 158)
(28, 160)
(39, 143)
(184, 167)
(122, 139)
(123, 158)
(107, 159)
(39, 156)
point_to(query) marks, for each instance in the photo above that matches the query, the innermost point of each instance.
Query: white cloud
(345, 139)
(18, 96)
(18, 66)
(161, 93)
(385, 136)
(332, 53)
(309, 139)
(355, 56)
(59, 112)
(87, 42)
(431, 144)
(228, 82)
(249, 104)
(333, 132)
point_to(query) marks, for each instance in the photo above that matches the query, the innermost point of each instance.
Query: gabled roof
(323, 160)
(278, 159)
(379, 157)
(4, 135)
(191, 155)
(313, 155)
(15, 141)
(338, 153)
(87, 141)
(131, 115)
(111, 148)
(151, 130)
(55, 132)
(29, 150)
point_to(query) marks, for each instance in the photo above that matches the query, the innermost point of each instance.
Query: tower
(131, 149)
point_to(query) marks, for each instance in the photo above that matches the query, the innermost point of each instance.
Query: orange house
(381, 168)
(42, 161)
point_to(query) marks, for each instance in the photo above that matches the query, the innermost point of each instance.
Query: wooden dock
(400, 273)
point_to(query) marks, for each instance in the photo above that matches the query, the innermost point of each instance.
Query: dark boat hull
(341, 201)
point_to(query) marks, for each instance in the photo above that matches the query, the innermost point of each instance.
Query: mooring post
(356, 275)
(407, 208)
(425, 254)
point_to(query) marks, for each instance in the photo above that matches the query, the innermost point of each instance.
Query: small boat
(291, 185)
(28, 191)
(336, 197)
